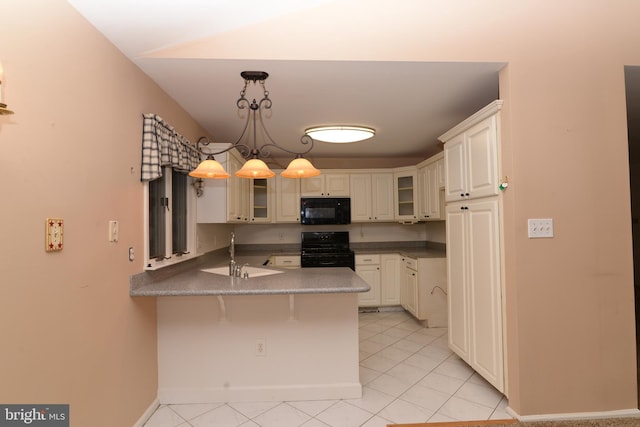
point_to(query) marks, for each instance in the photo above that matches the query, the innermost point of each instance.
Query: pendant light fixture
(255, 167)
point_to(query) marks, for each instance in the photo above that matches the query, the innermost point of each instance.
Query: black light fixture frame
(255, 114)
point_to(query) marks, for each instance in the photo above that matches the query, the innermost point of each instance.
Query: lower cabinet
(390, 279)
(368, 268)
(382, 273)
(424, 289)
(419, 285)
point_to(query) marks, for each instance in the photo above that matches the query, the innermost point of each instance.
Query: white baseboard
(148, 413)
(169, 396)
(622, 413)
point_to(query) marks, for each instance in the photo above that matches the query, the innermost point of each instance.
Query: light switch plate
(540, 228)
(113, 231)
(54, 234)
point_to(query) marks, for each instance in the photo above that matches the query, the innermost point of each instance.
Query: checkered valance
(163, 146)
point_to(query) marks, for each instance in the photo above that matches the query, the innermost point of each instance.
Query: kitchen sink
(253, 271)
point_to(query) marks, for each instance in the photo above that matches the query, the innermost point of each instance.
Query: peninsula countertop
(191, 280)
(188, 279)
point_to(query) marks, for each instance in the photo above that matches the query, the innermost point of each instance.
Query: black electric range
(326, 249)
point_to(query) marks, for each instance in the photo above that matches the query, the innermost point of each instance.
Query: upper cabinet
(406, 194)
(237, 191)
(471, 156)
(287, 199)
(224, 200)
(260, 200)
(371, 197)
(326, 185)
(430, 205)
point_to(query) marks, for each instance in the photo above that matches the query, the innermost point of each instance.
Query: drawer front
(287, 261)
(367, 259)
(411, 263)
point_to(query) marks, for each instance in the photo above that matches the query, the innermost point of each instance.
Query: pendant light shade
(300, 168)
(210, 169)
(255, 168)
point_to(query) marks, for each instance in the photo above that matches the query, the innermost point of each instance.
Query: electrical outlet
(261, 347)
(540, 228)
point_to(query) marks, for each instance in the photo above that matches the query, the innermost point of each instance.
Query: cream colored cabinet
(475, 286)
(287, 199)
(432, 292)
(471, 156)
(368, 268)
(383, 273)
(430, 205)
(473, 238)
(285, 261)
(260, 200)
(409, 286)
(238, 191)
(361, 209)
(390, 279)
(423, 289)
(330, 184)
(224, 200)
(371, 197)
(382, 196)
(406, 194)
(441, 173)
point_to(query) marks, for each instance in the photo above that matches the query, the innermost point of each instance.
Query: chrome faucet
(232, 252)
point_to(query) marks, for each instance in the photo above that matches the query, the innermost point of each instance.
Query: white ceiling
(408, 103)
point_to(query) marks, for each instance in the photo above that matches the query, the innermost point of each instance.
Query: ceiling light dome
(340, 134)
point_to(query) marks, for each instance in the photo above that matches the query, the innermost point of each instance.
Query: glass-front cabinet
(260, 200)
(406, 195)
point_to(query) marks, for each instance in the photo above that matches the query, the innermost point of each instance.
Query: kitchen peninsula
(292, 335)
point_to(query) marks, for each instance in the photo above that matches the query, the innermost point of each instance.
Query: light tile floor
(408, 375)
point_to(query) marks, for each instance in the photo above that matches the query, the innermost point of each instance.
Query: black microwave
(325, 210)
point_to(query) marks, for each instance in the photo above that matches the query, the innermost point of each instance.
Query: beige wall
(70, 332)
(569, 300)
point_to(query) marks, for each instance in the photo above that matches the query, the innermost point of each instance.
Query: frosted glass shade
(209, 169)
(255, 168)
(300, 168)
(340, 134)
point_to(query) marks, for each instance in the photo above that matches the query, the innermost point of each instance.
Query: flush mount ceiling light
(254, 167)
(340, 134)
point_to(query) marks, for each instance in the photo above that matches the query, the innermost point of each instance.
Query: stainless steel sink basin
(253, 271)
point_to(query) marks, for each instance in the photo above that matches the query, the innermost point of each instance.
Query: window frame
(154, 264)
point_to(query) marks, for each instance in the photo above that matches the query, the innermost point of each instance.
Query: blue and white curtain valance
(163, 146)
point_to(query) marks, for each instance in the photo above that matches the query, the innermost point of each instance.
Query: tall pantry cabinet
(473, 238)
